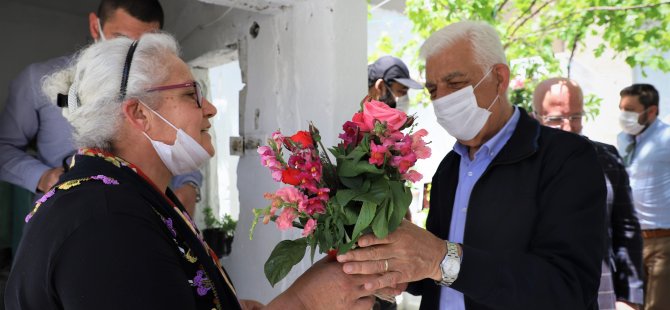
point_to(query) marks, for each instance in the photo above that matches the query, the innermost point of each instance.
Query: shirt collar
(649, 131)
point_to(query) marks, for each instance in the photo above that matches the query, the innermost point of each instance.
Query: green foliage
(227, 223)
(284, 256)
(537, 29)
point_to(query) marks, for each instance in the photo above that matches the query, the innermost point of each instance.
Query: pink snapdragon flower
(285, 219)
(412, 176)
(377, 154)
(419, 146)
(309, 227)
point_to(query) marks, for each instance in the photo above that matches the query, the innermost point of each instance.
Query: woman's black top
(106, 238)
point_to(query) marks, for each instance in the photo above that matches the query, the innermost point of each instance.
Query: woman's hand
(326, 286)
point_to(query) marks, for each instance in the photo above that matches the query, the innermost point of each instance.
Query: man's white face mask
(402, 103)
(459, 114)
(629, 122)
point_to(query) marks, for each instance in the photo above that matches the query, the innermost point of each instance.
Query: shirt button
(469, 173)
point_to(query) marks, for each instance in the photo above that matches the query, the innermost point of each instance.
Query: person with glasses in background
(559, 103)
(644, 143)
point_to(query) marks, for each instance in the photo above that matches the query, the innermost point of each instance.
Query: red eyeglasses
(198, 91)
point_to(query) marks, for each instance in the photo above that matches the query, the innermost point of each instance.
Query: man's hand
(408, 254)
(187, 196)
(49, 179)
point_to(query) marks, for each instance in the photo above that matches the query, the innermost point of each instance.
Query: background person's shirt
(649, 173)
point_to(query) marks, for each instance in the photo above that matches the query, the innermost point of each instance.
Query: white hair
(94, 78)
(485, 41)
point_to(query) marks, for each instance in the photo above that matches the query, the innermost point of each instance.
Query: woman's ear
(136, 114)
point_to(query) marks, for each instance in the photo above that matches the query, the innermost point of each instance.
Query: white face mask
(184, 156)
(102, 35)
(402, 103)
(629, 123)
(459, 114)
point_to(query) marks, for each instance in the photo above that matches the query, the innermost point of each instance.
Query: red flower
(304, 138)
(291, 176)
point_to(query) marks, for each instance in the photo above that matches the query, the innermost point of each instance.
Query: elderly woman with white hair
(110, 234)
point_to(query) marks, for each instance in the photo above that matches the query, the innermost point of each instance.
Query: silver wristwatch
(450, 265)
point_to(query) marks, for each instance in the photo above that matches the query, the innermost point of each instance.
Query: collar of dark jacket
(523, 142)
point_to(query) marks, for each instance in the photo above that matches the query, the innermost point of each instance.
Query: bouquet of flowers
(364, 191)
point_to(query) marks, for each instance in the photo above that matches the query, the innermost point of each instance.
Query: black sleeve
(120, 261)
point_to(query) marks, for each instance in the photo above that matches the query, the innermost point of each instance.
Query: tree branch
(572, 52)
(530, 7)
(502, 5)
(527, 18)
(626, 8)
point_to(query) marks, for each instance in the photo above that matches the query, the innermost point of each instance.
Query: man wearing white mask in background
(644, 145)
(501, 232)
(389, 81)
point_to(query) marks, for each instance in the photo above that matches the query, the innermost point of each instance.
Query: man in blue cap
(388, 82)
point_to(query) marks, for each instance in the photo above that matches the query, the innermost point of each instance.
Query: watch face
(451, 267)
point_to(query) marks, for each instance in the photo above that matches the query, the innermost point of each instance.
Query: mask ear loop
(482, 80)
(102, 34)
(160, 116)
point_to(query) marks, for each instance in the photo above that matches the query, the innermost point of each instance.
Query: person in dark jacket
(111, 234)
(559, 103)
(516, 209)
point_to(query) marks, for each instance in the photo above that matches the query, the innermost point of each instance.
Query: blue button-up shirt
(468, 173)
(649, 174)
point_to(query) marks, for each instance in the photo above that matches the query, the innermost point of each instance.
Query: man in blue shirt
(502, 230)
(559, 103)
(644, 143)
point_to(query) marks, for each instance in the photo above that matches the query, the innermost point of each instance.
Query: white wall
(308, 63)
(661, 82)
(31, 34)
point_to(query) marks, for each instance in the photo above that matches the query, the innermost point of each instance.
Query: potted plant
(219, 232)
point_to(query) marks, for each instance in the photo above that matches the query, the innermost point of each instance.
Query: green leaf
(284, 256)
(380, 223)
(343, 196)
(355, 182)
(364, 218)
(352, 168)
(402, 197)
(379, 190)
(351, 214)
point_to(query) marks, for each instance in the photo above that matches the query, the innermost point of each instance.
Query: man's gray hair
(94, 79)
(485, 41)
